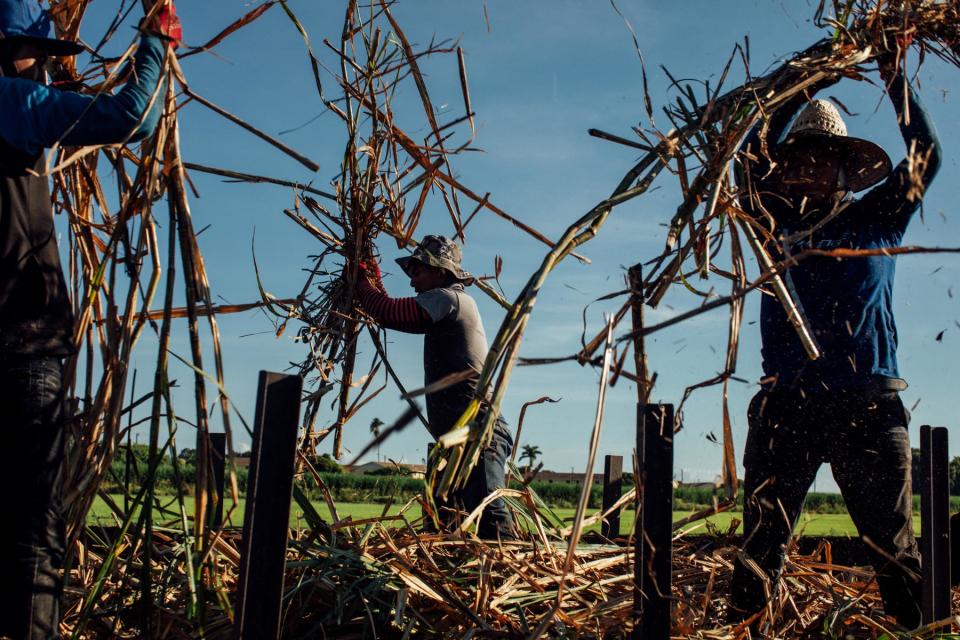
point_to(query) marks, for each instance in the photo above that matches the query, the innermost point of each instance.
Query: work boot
(494, 530)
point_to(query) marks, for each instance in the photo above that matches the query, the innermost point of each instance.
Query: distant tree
(954, 472)
(188, 456)
(140, 451)
(326, 464)
(530, 452)
(375, 425)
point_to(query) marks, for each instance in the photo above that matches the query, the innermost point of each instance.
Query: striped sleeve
(401, 314)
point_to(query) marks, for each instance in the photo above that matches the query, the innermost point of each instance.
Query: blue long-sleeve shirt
(848, 302)
(34, 116)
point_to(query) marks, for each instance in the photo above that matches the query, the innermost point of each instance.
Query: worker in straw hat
(36, 316)
(454, 346)
(844, 407)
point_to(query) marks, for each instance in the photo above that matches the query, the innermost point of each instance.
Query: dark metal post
(935, 523)
(653, 530)
(218, 452)
(955, 549)
(266, 522)
(612, 481)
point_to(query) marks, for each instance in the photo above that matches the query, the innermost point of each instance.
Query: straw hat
(24, 22)
(441, 252)
(819, 128)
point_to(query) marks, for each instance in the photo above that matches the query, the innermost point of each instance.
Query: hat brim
(462, 276)
(50, 46)
(404, 263)
(864, 163)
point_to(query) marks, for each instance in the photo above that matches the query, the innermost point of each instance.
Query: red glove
(904, 40)
(891, 61)
(166, 23)
(371, 269)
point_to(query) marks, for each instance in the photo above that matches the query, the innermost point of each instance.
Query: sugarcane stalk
(591, 455)
(795, 315)
(635, 278)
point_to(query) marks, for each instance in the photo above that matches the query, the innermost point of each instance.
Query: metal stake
(218, 452)
(653, 537)
(267, 519)
(935, 523)
(612, 481)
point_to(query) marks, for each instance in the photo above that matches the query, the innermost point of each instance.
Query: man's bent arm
(400, 314)
(901, 193)
(34, 116)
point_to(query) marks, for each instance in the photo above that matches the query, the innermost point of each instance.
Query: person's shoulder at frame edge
(440, 303)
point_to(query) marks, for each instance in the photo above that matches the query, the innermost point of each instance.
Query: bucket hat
(819, 128)
(440, 252)
(25, 22)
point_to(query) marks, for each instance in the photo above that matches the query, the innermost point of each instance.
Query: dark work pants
(486, 477)
(863, 435)
(32, 538)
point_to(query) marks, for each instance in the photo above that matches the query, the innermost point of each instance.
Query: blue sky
(540, 76)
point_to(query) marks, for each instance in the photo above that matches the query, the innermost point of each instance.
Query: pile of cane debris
(388, 577)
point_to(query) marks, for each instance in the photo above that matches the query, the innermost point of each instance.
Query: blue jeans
(32, 539)
(486, 477)
(863, 435)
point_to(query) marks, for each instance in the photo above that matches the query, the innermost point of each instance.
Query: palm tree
(531, 452)
(375, 430)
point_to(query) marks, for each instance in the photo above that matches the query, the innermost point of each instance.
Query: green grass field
(811, 524)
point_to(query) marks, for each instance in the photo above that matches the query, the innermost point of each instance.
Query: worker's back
(454, 343)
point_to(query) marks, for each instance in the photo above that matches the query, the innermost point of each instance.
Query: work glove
(890, 61)
(904, 40)
(889, 65)
(371, 270)
(166, 23)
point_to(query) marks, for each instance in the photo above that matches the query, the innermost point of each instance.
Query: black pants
(863, 435)
(32, 537)
(486, 477)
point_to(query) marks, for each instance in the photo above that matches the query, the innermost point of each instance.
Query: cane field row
(811, 523)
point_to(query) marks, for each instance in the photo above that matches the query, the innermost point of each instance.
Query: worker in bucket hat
(844, 407)
(36, 315)
(454, 348)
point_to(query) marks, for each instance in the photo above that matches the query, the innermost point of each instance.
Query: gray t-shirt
(454, 343)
